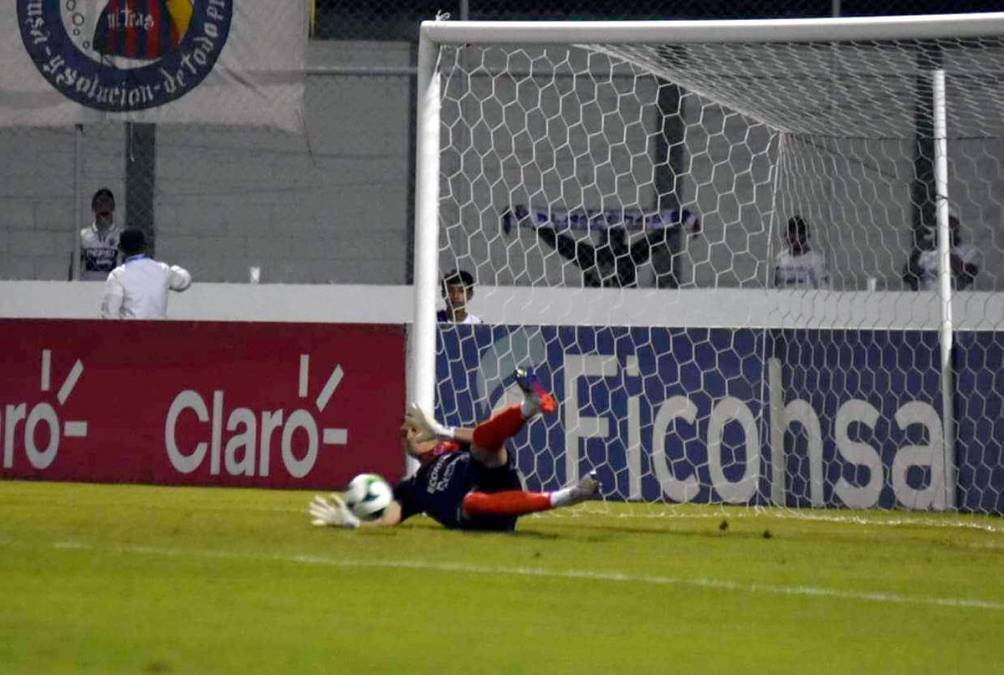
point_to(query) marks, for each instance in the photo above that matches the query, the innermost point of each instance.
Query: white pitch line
(540, 572)
(699, 582)
(900, 522)
(794, 515)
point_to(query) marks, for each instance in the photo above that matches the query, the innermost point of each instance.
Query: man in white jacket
(137, 289)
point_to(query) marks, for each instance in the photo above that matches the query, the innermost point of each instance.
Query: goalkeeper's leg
(490, 436)
(488, 446)
(521, 502)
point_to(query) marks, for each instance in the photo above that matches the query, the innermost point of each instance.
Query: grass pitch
(132, 579)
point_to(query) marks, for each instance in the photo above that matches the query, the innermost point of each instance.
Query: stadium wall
(328, 207)
(704, 308)
(334, 206)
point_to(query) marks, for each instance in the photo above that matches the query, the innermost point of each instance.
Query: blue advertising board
(824, 418)
(979, 409)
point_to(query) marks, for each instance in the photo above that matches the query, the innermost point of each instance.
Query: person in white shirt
(99, 242)
(457, 289)
(137, 289)
(800, 266)
(964, 259)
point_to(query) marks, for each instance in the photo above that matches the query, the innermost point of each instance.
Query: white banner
(166, 61)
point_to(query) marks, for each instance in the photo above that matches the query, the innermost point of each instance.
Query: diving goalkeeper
(467, 479)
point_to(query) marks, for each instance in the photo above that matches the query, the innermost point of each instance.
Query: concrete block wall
(334, 206)
(328, 208)
(37, 205)
(331, 207)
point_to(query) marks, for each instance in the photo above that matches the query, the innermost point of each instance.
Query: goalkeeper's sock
(521, 502)
(529, 408)
(492, 433)
(507, 503)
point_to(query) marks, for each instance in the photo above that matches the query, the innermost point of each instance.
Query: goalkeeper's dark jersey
(445, 477)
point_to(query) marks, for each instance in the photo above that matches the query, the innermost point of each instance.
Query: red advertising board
(279, 405)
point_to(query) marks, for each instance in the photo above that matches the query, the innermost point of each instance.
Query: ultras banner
(163, 61)
(200, 403)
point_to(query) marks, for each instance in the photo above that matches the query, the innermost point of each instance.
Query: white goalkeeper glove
(331, 512)
(428, 428)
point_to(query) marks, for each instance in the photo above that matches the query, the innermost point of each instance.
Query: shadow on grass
(578, 529)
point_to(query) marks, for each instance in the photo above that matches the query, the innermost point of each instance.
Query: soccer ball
(368, 496)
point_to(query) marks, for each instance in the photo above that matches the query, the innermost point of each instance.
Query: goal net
(756, 261)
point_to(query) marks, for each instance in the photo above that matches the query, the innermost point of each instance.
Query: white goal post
(543, 146)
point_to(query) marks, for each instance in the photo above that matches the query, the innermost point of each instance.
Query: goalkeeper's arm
(391, 517)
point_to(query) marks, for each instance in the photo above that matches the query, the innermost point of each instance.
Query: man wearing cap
(137, 289)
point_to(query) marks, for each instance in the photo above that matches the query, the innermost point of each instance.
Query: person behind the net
(99, 242)
(921, 272)
(800, 266)
(467, 478)
(457, 288)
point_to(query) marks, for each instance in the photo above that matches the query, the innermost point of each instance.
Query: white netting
(583, 185)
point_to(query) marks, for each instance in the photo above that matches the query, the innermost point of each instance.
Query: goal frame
(433, 34)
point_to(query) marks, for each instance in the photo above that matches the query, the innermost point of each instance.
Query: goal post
(422, 357)
(625, 195)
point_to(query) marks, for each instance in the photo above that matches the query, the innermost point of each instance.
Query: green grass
(132, 579)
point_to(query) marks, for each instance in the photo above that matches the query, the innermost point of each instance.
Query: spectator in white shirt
(99, 242)
(800, 266)
(137, 289)
(922, 269)
(457, 289)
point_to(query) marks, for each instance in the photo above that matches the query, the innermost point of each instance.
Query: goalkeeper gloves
(428, 428)
(331, 512)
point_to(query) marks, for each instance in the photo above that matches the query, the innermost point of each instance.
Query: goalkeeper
(467, 479)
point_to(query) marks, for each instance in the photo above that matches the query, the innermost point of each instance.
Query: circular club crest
(124, 55)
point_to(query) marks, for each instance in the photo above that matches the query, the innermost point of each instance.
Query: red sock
(508, 503)
(492, 433)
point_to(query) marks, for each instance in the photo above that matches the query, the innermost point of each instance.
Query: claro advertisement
(200, 403)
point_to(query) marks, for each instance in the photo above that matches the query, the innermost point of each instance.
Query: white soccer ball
(368, 496)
